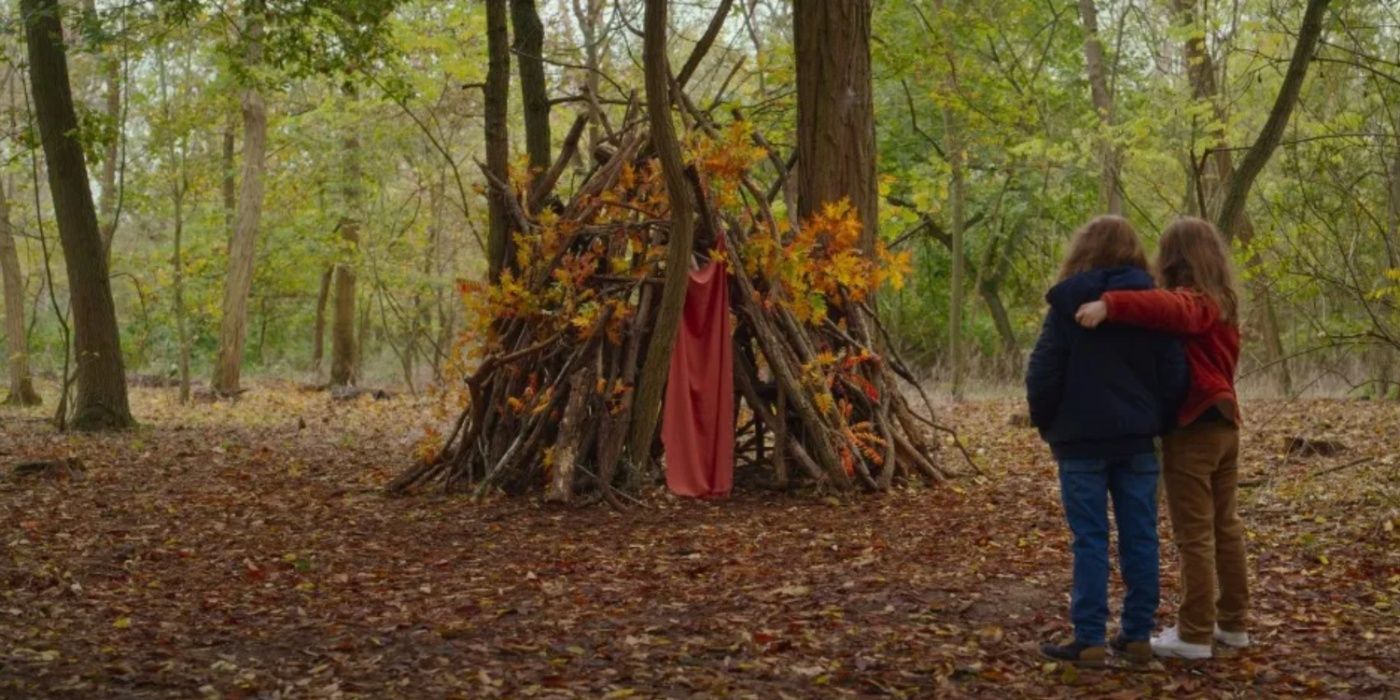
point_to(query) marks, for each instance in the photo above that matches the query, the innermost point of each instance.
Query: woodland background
(294, 195)
(372, 149)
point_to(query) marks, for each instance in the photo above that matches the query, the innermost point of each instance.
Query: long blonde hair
(1106, 241)
(1192, 254)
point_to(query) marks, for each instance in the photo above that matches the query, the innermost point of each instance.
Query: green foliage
(403, 76)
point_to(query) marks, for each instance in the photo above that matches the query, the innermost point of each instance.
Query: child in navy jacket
(1100, 398)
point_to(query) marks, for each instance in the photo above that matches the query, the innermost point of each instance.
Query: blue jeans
(1085, 484)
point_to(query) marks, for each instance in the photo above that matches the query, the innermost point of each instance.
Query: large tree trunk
(101, 401)
(498, 242)
(647, 404)
(534, 92)
(233, 328)
(835, 109)
(1110, 194)
(21, 383)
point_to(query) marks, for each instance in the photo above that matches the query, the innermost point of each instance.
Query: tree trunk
(343, 353)
(101, 402)
(228, 183)
(1110, 195)
(652, 381)
(233, 328)
(534, 92)
(21, 383)
(835, 110)
(1392, 240)
(318, 328)
(343, 326)
(112, 106)
(107, 203)
(177, 197)
(498, 242)
(1258, 155)
(956, 296)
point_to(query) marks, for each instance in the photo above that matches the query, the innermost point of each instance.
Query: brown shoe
(1139, 652)
(1075, 653)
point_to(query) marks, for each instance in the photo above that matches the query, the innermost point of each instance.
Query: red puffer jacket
(1212, 344)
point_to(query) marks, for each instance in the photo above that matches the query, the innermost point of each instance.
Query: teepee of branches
(552, 360)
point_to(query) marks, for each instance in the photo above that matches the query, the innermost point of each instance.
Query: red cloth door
(697, 425)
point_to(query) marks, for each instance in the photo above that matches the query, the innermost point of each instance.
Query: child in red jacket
(1200, 468)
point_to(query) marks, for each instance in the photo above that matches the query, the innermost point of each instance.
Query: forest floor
(246, 550)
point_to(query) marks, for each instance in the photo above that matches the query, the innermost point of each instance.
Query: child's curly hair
(1106, 241)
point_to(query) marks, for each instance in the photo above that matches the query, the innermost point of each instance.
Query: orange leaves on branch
(824, 261)
(726, 159)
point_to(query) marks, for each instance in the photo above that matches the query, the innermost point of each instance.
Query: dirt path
(246, 551)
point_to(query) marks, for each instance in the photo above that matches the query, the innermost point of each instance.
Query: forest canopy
(268, 173)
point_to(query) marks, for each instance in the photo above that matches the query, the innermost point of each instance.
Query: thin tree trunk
(1110, 195)
(957, 195)
(233, 328)
(835, 110)
(21, 383)
(647, 404)
(498, 242)
(112, 106)
(534, 91)
(362, 335)
(589, 16)
(956, 293)
(1258, 155)
(101, 401)
(228, 182)
(1392, 242)
(177, 196)
(343, 345)
(318, 328)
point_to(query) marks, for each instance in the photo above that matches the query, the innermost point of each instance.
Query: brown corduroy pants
(1200, 468)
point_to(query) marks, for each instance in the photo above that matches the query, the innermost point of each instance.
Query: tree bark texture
(318, 328)
(17, 351)
(650, 384)
(1110, 158)
(101, 401)
(498, 242)
(343, 345)
(835, 109)
(534, 91)
(233, 327)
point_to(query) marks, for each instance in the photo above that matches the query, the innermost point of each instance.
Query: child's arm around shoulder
(1177, 311)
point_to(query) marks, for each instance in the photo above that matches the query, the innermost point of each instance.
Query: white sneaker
(1170, 645)
(1237, 640)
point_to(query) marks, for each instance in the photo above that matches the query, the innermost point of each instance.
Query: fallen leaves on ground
(245, 550)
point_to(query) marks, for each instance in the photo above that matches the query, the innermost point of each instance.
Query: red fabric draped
(697, 425)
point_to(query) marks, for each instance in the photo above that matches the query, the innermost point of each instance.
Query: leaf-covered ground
(245, 551)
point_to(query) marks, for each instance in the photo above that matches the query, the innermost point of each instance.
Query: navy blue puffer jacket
(1105, 392)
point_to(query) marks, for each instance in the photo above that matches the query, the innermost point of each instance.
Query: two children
(1092, 391)
(1100, 398)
